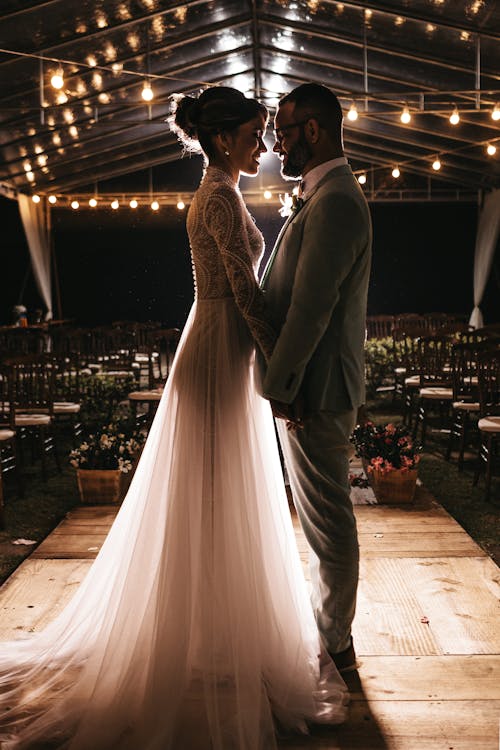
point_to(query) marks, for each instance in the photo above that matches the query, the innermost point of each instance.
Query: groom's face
(291, 143)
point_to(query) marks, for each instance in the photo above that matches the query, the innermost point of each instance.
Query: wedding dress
(193, 629)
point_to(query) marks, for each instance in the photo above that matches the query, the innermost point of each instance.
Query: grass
(46, 503)
(35, 515)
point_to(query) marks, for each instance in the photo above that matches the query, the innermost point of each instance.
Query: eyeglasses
(279, 133)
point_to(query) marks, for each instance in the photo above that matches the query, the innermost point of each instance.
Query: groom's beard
(297, 157)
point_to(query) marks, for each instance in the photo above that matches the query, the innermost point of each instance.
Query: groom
(316, 284)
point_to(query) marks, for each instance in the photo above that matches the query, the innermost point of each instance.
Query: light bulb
(455, 117)
(57, 80)
(495, 112)
(75, 205)
(268, 195)
(181, 205)
(491, 149)
(436, 164)
(405, 116)
(92, 203)
(133, 203)
(353, 113)
(396, 173)
(35, 198)
(147, 92)
(52, 199)
(115, 205)
(155, 205)
(362, 179)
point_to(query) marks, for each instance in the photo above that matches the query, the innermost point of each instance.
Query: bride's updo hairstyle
(220, 109)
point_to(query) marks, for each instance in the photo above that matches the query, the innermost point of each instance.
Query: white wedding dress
(193, 629)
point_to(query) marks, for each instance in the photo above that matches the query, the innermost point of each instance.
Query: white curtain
(35, 218)
(486, 242)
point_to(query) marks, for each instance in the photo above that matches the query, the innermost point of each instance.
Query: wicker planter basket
(395, 486)
(100, 486)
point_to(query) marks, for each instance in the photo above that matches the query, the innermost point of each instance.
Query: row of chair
(383, 326)
(41, 394)
(457, 378)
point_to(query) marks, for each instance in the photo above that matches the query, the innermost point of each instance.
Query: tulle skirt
(193, 628)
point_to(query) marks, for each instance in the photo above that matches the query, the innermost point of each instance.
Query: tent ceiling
(432, 55)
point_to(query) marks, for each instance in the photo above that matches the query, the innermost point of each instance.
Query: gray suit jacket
(316, 286)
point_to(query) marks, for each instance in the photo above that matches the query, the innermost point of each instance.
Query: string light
(405, 115)
(52, 199)
(115, 204)
(147, 92)
(455, 117)
(155, 205)
(268, 195)
(362, 179)
(353, 113)
(75, 205)
(436, 164)
(133, 203)
(396, 173)
(35, 198)
(495, 113)
(92, 203)
(491, 149)
(57, 80)
(181, 205)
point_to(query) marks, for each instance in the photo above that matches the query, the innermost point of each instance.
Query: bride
(193, 628)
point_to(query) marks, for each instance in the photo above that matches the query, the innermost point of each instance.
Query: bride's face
(247, 145)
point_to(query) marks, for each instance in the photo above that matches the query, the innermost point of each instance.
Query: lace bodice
(226, 248)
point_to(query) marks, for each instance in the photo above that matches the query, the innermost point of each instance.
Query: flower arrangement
(115, 446)
(385, 448)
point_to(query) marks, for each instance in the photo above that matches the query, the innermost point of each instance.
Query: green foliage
(102, 395)
(378, 364)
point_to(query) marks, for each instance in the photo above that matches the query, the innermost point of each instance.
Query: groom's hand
(292, 413)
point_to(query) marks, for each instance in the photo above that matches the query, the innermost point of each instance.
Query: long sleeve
(227, 221)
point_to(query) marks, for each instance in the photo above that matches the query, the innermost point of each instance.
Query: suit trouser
(317, 461)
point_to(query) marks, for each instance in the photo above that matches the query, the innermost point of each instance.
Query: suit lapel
(272, 257)
(336, 171)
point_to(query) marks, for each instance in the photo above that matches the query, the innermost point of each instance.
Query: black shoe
(345, 660)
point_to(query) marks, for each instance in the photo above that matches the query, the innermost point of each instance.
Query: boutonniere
(290, 204)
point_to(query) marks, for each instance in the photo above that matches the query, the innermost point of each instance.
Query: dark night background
(134, 265)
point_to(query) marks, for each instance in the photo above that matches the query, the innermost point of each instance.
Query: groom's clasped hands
(292, 413)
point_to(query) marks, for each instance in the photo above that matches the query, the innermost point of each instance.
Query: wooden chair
(31, 405)
(435, 391)
(67, 393)
(406, 370)
(8, 448)
(379, 326)
(161, 345)
(465, 403)
(489, 414)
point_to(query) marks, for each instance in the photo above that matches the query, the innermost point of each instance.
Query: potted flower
(105, 462)
(390, 460)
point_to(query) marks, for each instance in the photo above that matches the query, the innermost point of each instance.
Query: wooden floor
(427, 629)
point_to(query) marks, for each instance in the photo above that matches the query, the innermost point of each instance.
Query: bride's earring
(226, 153)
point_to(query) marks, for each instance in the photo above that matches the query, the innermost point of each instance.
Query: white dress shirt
(317, 173)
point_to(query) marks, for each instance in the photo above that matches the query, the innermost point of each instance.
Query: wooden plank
(36, 592)
(437, 678)
(406, 544)
(460, 598)
(409, 725)
(78, 546)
